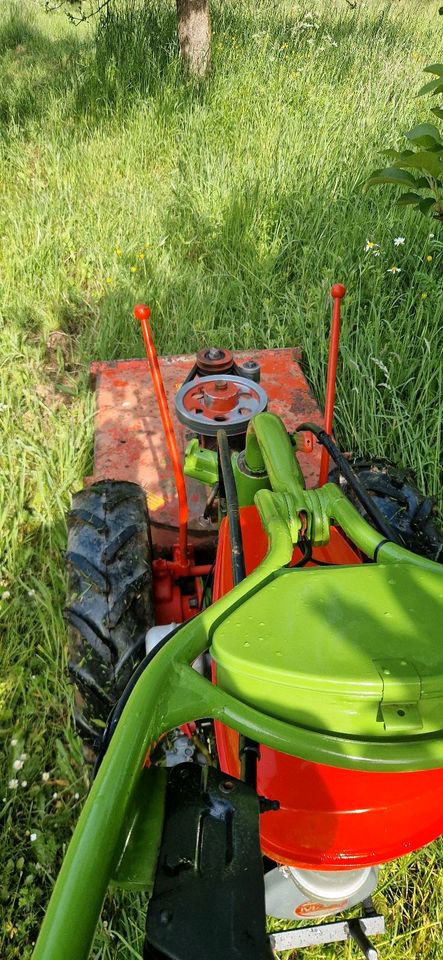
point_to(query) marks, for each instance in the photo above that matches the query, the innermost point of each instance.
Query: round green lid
(355, 651)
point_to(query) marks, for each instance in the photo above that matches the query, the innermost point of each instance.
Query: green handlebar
(169, 693)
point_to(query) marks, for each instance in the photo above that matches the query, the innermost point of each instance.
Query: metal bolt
(227, 786)
(221, 385)
(214, 353)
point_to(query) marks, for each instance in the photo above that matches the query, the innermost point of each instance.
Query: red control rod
(142, 313)
(337, 293)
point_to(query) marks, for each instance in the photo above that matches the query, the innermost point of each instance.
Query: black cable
(346, 470)
(306, 554)
(228, 488)
(205, 586)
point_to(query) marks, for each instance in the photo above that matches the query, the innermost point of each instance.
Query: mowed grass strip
(231, 208)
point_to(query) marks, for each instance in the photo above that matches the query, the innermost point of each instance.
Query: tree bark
(194, 35)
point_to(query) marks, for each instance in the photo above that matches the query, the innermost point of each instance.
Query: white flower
(394, 270)
(6, 595)
(23, 756)
(24, 783)
(399, 241)
(31, 593)
(76, 796)
(54, 796)
(370, 245)
(14, 742)
(45, 776)
(17, 765)
(431, 236)
(13, 784)
(32, 837)
(376, 253)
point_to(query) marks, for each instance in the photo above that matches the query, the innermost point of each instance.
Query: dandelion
(141, 255)
(428, 258)
(17, 765)
(32, 837)
(117, 252)
(45, 776)
(13, 784)
(108, 279)
(399, 241)
(424, 296)
(394, 270)
(133, 269)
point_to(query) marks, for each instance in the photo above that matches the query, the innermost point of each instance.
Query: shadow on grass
(133, 52)
(33, 69)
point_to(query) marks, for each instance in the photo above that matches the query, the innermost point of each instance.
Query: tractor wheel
(110, 605)
(394, 491)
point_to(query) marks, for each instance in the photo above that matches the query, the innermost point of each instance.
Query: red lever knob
(142, 311)
(338, 291)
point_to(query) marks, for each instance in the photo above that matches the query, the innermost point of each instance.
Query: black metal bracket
(208, 901)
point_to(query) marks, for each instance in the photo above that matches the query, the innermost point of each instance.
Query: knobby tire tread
(109, 597)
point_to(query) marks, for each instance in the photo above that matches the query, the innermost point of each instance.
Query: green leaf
(396, 154)
(390, 175)
(425, 135)
(422, 183)
(409, 198)
(426, 204)
(434, 86)
(438, 111)
(424, 160)
(436, 68)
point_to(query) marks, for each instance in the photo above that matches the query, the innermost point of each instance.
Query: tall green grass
(238, 204)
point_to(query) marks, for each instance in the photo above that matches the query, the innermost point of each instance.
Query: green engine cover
(356, 651)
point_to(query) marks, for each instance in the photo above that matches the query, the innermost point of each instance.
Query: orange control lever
(142, 313)
(337, 293)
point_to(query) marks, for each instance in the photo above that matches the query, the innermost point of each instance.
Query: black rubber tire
(109, 597)
(393, 489)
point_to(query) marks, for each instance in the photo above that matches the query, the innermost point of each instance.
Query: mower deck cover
(352, 650)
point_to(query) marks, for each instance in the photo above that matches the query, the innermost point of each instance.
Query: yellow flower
(423, 296)
(141, 256)
(108, 279)
(118, 252)
(415, 55)
(429, 258)
(133, 269)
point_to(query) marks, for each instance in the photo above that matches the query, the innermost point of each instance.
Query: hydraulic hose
(232, 509)
(366, 501)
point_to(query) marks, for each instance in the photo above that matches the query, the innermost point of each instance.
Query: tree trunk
(194, 35)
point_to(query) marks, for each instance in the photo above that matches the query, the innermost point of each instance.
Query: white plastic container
(291, 892)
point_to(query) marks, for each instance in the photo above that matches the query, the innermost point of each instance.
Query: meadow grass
(238, 203)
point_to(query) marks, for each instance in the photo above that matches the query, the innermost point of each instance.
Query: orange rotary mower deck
(130, 442)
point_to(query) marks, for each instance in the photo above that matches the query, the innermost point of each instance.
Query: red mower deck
(129, 438)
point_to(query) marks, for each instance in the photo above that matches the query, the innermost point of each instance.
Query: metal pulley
(208, 404)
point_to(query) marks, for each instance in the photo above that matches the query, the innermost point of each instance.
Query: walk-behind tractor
(258, 667)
